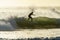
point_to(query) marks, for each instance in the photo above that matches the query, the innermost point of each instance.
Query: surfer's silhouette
(30, 16)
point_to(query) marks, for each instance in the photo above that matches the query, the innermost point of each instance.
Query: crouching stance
(30, 16)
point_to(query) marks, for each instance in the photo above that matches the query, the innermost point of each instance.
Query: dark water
(52, 38)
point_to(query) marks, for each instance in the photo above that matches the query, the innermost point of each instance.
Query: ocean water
(27, 33)
(6, 13)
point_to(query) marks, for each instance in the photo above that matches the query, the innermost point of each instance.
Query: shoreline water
(26, 33)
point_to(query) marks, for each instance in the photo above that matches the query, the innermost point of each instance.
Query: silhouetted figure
(30, 16)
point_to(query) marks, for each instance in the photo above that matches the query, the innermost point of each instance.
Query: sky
(28, 3)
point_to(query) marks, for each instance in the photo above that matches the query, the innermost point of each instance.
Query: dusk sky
(27, 3)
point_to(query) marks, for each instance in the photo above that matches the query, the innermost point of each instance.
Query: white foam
(30, 33)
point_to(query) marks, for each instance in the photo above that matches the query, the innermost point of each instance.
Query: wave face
(6, 13)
